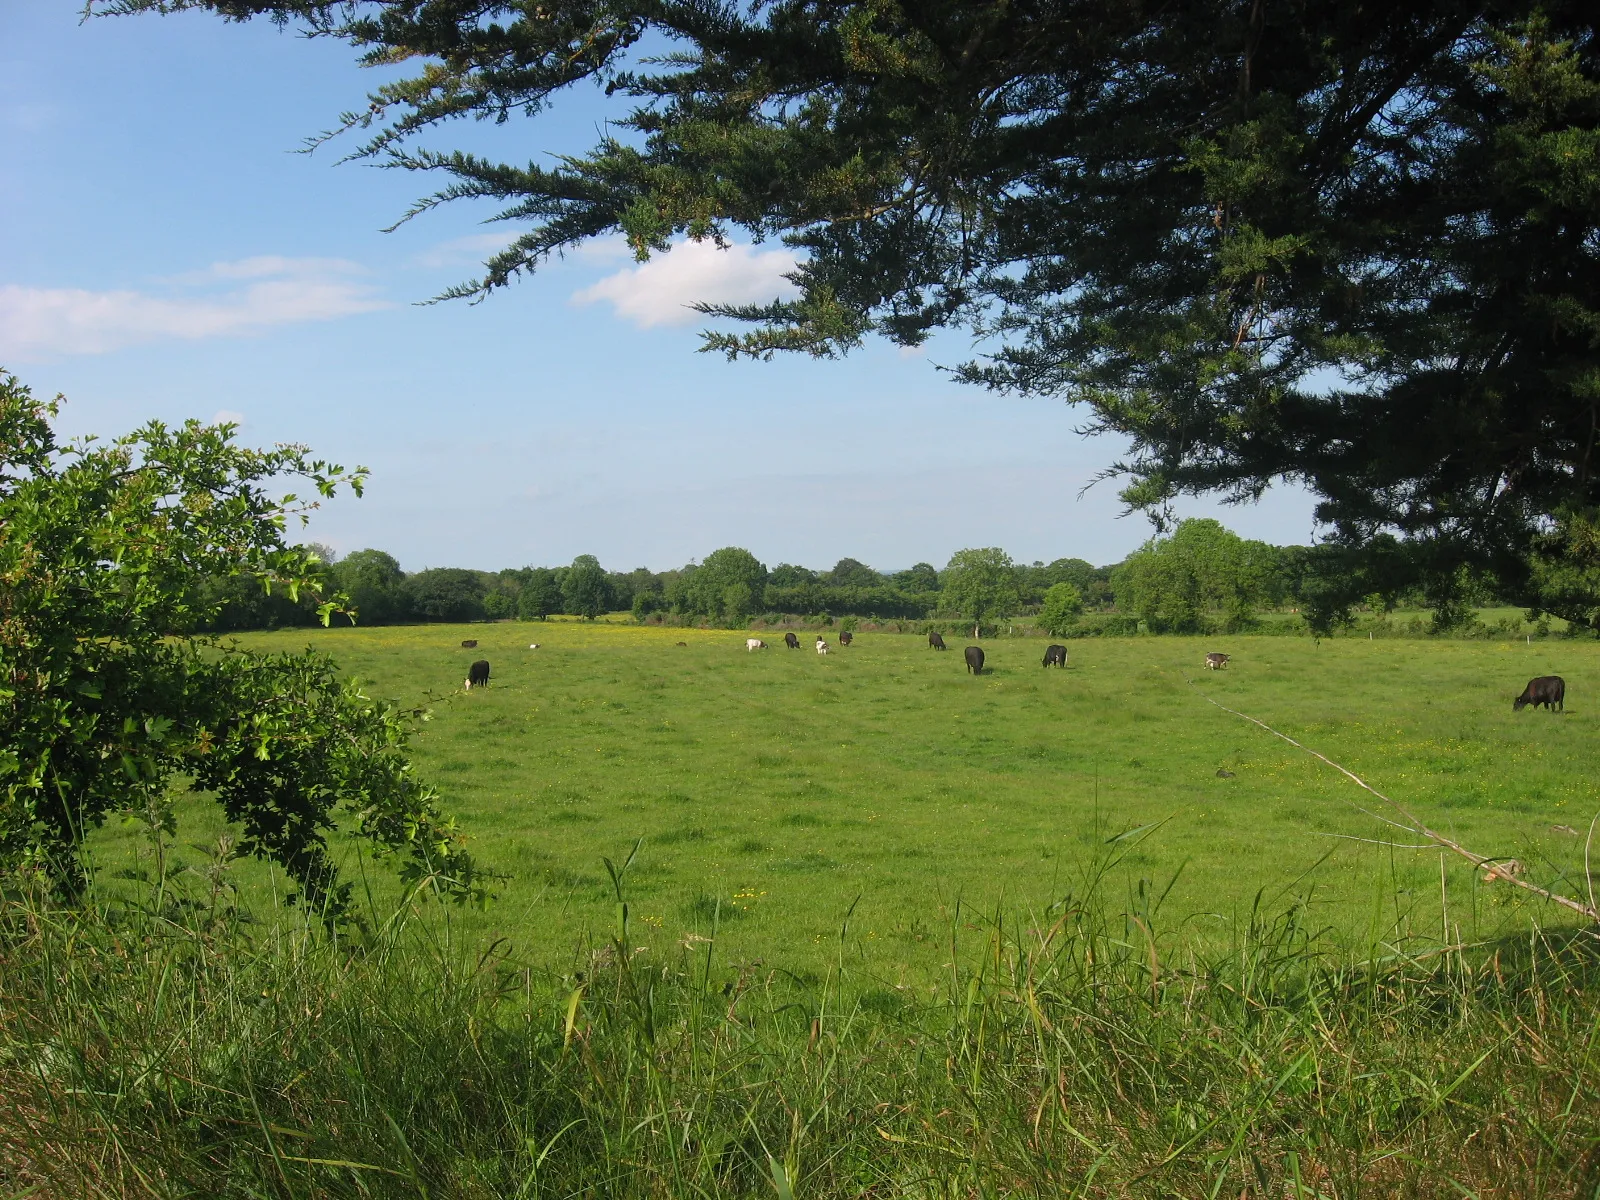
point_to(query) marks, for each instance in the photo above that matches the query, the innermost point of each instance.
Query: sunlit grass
(885, 772)
(890, 931)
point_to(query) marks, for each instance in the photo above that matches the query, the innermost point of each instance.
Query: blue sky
(165, 253)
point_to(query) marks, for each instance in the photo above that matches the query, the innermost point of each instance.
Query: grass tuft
(175, 1049)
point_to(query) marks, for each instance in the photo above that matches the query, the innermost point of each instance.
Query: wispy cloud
(266, 290)
(461, 251)
(660, 291)
(608, 249)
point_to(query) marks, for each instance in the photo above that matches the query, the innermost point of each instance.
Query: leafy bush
(645, 604)
(499, 605)
(108, 700)
(1063, 605)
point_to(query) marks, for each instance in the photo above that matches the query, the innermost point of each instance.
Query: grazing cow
(791, 641)
(1215, 662)
(975, 660)
(935, 641)
(846, 637)
(822, 646)
(754, 644)
(683, 643)
(533, 645)
(1056, 655)
(470, 645)
(478, 674)
(1548, 690)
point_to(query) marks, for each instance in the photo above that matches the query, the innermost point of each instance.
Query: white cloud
(45, 322)
(659, 292)
(226, 416)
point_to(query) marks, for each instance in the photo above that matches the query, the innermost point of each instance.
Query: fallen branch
(1416, 826)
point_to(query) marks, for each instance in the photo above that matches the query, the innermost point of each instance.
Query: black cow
(478, 674)
(935, 641)
(1548, 690)
(975, 660)
(791, 641)
(1056, 655)
(472, 645)
(846, 637)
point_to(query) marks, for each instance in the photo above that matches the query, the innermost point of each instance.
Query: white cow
(754, 644)
(822, 646)
(533, 645)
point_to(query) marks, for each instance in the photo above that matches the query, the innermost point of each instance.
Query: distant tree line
(1199, 577)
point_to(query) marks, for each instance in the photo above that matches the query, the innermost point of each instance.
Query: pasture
(772, 789)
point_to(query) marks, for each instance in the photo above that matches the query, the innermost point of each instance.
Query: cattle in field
(470, 645)
(754, 644)
(935, 641)
(822, 646)
(846, 638)
(533, 645)
(478, 674)
(975, 660)
(1215, 662)
(683, 643)
(791, 641)
(1548, 690)
(1054, 656)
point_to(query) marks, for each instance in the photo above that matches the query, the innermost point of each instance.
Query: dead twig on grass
(1415, 825)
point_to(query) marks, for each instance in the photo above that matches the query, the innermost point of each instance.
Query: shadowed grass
(1077, 1050)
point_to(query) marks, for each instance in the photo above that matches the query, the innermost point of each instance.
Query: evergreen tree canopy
(1351, 245)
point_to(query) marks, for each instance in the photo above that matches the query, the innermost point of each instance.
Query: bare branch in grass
(1415, 824)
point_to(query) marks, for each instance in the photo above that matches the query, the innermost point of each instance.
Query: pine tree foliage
(1355, 246)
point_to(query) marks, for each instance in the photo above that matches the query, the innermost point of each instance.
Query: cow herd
(1549, 691)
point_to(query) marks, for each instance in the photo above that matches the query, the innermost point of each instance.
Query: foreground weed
(1083, 1049)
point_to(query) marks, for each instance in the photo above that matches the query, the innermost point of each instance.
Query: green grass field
(783, 785)
(959, 1038)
